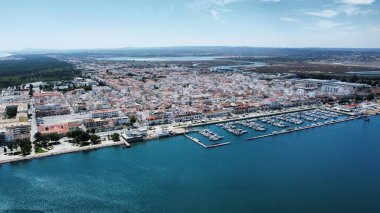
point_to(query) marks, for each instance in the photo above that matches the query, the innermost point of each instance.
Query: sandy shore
(63, 148)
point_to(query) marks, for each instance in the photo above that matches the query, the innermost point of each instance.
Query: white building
(105, 113)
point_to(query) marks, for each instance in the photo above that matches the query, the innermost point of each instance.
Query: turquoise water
(327, 169)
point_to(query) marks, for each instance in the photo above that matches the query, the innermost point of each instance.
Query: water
(3, 55)
(366, 73)
(173, 58)
(249, 64)
(228, 137)
(326, 169)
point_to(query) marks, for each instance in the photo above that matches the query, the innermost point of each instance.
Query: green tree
(77, 139)
(95, 139)
(15, 145)
(133, 119)
(354, 79)
(85, 137)
(75, 133)
(10, 146)
(26, 147)
(31, 90)
(38, 136)
(115, 137)
(44, 143)
(358, 98)
(54, 137)
(370, 97)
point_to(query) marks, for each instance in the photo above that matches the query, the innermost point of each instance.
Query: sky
(88, 24)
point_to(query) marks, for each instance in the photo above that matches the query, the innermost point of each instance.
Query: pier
(219, 144)
(203, 145)
(338, 111)
(128, 145)
(302, 128)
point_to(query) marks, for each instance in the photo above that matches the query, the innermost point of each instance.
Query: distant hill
(208, 51)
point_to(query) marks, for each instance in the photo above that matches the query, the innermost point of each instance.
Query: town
(121, 102)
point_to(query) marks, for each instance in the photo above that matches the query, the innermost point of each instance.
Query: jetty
(303, 128)
(338, 111)
(128, 145)
(203, 145)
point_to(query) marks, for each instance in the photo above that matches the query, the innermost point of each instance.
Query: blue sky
(73, 24)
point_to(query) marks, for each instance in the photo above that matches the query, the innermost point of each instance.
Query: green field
(32, 68)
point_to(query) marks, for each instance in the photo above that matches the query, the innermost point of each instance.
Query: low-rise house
(60, 129)
(105, 113)
(215, 114)
(14, 131)
(158, 119)
(50, 103)
(188, 116)
(102, 125)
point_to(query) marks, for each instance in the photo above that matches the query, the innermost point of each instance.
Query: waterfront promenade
(177, 130)
(66, 150)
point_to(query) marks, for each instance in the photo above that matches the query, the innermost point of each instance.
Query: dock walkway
(303, 128)
(203, 145)
(245, 118)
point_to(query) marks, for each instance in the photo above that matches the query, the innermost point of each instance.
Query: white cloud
(221, 2)
(374, 29)
(216, 14)
(325, 25)
(357, 1)
(348, 9)
(351, 10)
(214, 8)
(287, 19)
(324, 13)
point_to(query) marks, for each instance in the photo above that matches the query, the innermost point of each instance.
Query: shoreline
(61, 152)
(122, 142)
(4, 55)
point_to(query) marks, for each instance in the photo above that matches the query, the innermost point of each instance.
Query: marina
(302, 128)
(266, 126)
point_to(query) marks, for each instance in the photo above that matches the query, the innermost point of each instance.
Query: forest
(21, 69)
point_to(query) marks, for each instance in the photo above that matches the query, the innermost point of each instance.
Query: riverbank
(63, 148)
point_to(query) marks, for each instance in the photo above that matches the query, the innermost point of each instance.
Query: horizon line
(179, 46)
